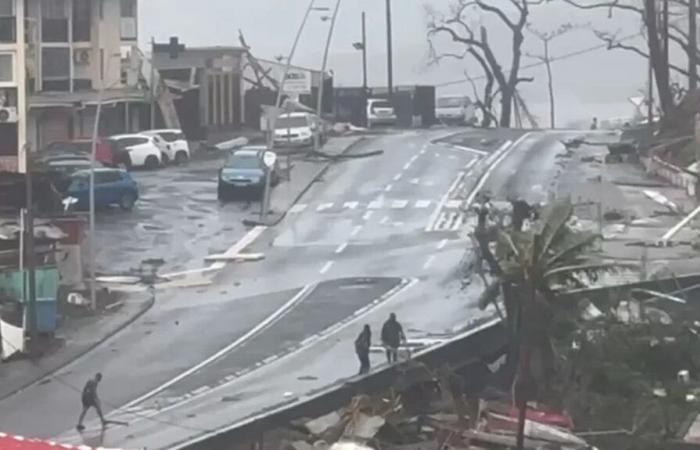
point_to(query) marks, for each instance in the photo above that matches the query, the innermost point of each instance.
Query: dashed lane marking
(326, 267)
(428, 261)
(397, 177)
(341, 247)
(355, 231)
(407, 165)
(297, 208)
(367, 215)
(384, 220)
(351, 205)
(324, 206)
(442, 244)
(422, 204)
(388, 187)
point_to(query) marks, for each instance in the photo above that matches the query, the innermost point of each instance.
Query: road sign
(269, 158)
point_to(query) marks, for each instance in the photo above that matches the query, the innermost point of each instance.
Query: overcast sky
(597, 83)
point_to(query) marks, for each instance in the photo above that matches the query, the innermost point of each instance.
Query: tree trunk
(506, 106)
(550, 83)
(659, 60)
(692, 45)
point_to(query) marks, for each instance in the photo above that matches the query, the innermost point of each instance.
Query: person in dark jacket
(91, 400)
(392, 336)
(362, 345)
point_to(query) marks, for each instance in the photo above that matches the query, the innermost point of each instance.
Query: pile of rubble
(426, 416)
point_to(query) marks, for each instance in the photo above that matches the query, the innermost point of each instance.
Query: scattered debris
(662, 200)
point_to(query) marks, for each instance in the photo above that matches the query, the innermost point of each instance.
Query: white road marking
(324, 206)
(452, 157)
(397, 177)
(351, 205)
(442, 244)
(436, 213)
(384, 220)
(422, 204)
(414, 180)
(422, 152)
(356, 230)
(388, 187)
(260, 326)
(458, 222)
(407, 165)
(453, 204)
(375, 204)
(399, 204)
(469, 149)
(367, 215)
(299, 207)
(341, 247)
(470, 164)
(326, 267)
(428, 261)
(505, 149)
(413, 158)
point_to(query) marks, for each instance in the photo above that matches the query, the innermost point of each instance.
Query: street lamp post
(272, 119)
(389, 52)
(319, 103)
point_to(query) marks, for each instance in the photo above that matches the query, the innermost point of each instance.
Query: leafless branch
(610, 6)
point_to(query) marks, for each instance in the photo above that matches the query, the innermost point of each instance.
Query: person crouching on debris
(362, 345)
(91, 400)
(392, 336)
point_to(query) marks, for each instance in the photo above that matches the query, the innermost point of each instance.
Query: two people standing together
(392, 337)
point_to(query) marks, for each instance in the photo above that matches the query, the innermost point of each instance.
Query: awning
(10, 442)
(80, 99)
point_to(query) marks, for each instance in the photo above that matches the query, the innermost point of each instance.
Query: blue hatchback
(112, 187)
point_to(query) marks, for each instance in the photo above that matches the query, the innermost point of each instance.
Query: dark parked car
(244, 173)
(105, 153)
(112, 187)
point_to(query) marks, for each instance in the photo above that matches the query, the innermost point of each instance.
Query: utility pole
(364, 54)
(153, 83)
(650, 100)
(389, 61)
(319, 103)
(30, 296)
(693, 45)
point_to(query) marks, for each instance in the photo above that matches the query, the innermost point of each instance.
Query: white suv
(298, 130)
(175, 146)
(136, 150)
(380, 112)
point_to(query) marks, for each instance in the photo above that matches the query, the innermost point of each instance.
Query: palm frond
(553, 220)
(591, 268)
(571, 246)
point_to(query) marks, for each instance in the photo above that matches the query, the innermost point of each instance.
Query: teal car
(244, 173)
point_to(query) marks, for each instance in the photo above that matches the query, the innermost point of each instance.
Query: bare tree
(659, 31)
(475, 37)
(545, 57)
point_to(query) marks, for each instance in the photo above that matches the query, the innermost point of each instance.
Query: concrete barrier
(671, 173)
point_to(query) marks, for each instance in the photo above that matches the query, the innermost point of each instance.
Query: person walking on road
(91, 400)
(362, 345)
(594, 124)
(392, 336)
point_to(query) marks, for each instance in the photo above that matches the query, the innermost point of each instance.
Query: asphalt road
(177, 218)
(376, 235)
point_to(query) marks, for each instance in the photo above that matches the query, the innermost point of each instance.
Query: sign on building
(297, 82)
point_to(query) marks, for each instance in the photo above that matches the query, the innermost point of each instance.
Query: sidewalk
(75, 337)
(305, 171)
(631, 221)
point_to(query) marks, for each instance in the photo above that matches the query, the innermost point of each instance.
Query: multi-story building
(67, 56)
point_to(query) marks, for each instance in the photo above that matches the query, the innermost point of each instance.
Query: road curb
(147, 305)
(278, 217)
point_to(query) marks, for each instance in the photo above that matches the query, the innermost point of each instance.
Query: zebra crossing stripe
(422, 204)
(375, 204)
(453, 204)
(324, 206)
(399, 204)
(297, 208)
(351, 205)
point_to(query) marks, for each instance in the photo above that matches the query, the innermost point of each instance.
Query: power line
(110, 405)
(553, 59)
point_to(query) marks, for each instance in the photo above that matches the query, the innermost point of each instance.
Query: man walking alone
(392, 336)
(91, 400)
(362, 345)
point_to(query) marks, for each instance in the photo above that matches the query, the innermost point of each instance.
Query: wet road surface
(394, 218)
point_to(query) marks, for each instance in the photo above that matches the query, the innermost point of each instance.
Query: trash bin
(46, 314)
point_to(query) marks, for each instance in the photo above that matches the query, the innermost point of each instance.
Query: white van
(455, 110)
(298, 129)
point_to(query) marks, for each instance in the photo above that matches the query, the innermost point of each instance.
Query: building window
(128, 20)
(82, 15)
(54, 21)
(7, 68)
(128, 8)
(55, 69)
(8, 31)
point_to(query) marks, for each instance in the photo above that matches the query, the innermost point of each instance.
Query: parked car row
(149, 149)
